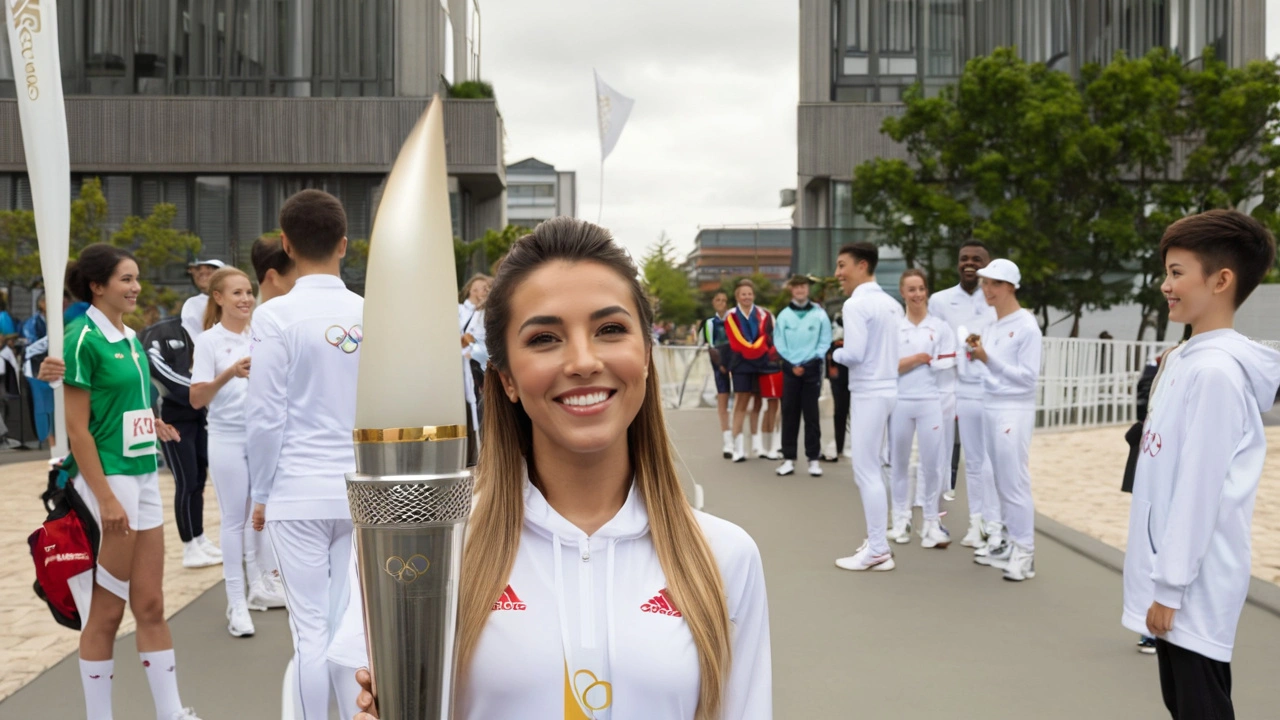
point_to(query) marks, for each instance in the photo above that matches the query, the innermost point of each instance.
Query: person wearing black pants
(1194, 687)
(838, 375)
(170, 351)
(802, 335)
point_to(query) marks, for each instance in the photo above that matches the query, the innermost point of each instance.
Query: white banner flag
(614, 108)
(37, 78)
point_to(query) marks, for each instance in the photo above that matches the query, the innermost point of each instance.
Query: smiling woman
(588, 582)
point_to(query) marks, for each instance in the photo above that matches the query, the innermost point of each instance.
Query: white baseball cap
(1004, 270)
(210, 262)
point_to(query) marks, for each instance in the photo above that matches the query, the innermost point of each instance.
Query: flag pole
(600, 212)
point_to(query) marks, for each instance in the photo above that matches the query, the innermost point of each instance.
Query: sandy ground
(30, 641)
(1076, 476)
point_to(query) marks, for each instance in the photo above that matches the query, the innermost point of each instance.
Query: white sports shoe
(975, 537)
(949, 495)
(757, 445)
(787, 468)
(185, 714)
(994, 554)
(1020, 566)
(209, 548)
(265, 592)
(775, 447)
(815, 468)
(900, 531)
(239, 624)
(864, 559)
(194, 556)
(934, 535)
(728, 444)
(848, 452)
(739, 443)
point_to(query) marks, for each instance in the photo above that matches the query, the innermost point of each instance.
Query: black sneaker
(1147, 645)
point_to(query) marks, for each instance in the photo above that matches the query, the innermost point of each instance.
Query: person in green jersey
(113, 434)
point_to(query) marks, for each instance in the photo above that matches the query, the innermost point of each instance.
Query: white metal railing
(1087, 383)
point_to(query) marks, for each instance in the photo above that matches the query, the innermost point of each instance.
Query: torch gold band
(413, 434)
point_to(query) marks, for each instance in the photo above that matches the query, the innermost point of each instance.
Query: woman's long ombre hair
(693, 578)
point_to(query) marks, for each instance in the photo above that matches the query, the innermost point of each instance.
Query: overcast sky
(712, 137)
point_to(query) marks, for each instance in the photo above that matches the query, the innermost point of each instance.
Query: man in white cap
(193, 309)
(1010, 348)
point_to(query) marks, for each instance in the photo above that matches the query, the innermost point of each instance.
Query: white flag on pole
(37, 74)
(614, 108)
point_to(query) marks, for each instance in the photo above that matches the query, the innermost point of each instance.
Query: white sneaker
(757, 445)
(1021, 565)
(209, 548)
(739, 444)
(775, 448)
(239, 624)
(864, 559)
(815, 468)
(975, 537)
(194, 556)
(185, 714)
(728, 444)
(949, 496)
(265, 593)
(900, 532)
(934, 535)
(994, 554)
(787, 468)
(848, 452)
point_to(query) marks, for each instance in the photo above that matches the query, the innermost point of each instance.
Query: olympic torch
(37, 74)
(411, 493)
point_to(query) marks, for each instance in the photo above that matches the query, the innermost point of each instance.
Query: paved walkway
(938, 637)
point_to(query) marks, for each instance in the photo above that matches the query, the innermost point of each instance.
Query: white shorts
(139, 494)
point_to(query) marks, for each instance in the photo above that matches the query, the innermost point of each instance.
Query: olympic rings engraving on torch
(406, 571)
(348, 341)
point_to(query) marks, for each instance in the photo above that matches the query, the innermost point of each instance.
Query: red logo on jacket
(661, 604)
(509, 601)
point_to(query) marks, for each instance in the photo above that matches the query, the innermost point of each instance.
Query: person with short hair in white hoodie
(1186, 570)
(870, 351)
(590, 588)
(1011, 348)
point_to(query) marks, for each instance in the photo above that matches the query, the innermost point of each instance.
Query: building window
(540, 190)
(842, 215)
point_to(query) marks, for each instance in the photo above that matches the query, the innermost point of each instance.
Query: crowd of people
(575, 470)
(901, 379)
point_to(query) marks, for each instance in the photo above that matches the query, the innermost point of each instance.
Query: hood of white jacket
(1260, 363)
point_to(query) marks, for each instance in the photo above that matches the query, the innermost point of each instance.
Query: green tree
(156, 243)
(483, 253)
(19, 248)
(676, 300)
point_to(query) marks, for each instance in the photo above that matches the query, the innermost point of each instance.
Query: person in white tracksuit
(590, 589)
(1203, 447)
(871, 352)
(926, 348)
(964, 307)
(299, 416)
(1011, 348)
(219, 381)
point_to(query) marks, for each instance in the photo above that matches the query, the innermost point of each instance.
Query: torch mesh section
(377, 503)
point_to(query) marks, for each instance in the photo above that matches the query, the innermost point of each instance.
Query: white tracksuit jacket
(1197, 476)
(586, 629)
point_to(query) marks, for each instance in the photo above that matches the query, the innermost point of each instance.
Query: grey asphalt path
(937, 637)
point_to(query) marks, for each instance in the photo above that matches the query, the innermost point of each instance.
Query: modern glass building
(536, 191)
(857, 57)
(224, 108)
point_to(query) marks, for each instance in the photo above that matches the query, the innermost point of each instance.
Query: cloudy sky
(712, 137)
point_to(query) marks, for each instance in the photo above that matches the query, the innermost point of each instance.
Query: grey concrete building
(226, 107)
(857, 56)
(536, 191)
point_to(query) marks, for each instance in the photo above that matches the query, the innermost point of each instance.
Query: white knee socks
(96, 676)
(159, 667)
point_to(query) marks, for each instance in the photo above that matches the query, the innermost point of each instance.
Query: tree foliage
(668, 285)
(1075, 179)
(483, 254)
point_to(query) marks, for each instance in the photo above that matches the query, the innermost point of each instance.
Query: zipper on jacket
(587, 595)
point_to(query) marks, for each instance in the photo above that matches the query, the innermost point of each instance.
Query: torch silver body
(409, 504)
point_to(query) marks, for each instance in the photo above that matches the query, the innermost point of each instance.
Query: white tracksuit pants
(869, 424)
(314, 559)
(1008, 433)
(911, 419)
(980, 483)
(948, 406)
(241, 546)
